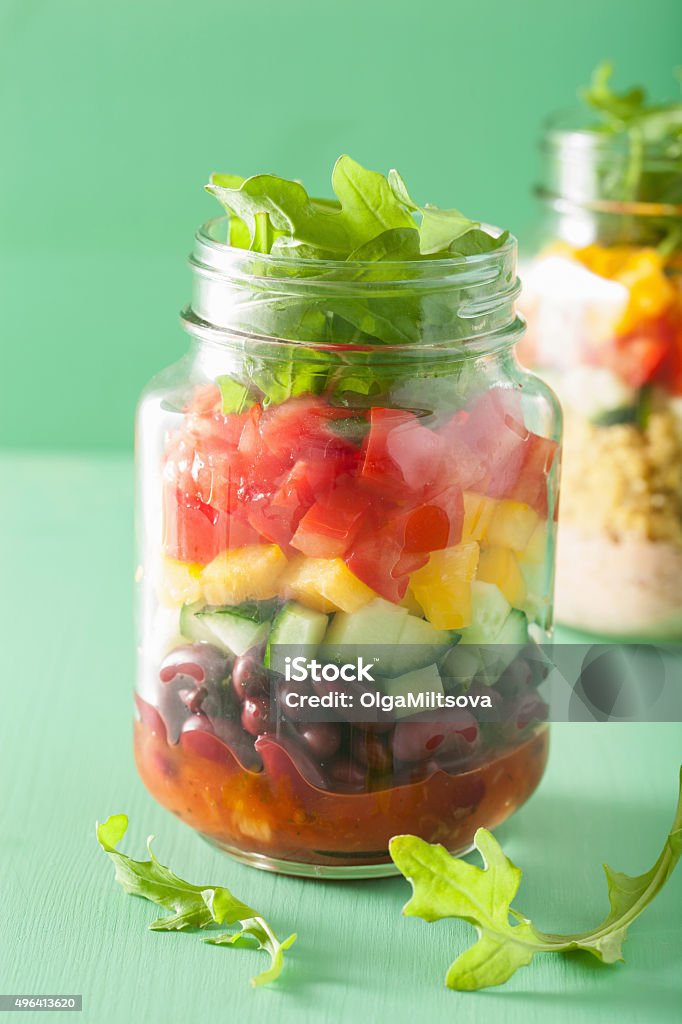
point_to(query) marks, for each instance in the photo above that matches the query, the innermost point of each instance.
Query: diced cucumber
(424, 680)
(233, 632)
(461, 665)
(514, 629)
(192, 627)
(496, 655)
(419, 631)
(402, 642)
(234, 629)
(489, 610)
(419, 644)
(294, 626)
(376, 628)
(377, 623)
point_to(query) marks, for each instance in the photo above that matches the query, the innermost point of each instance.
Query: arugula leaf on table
(255, 933)
(445, 886)
(193, 906)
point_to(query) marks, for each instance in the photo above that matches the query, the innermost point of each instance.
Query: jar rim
(218, 254)
(360, 304)
(568, 129)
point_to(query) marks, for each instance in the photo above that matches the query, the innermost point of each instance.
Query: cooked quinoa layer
(622, 480)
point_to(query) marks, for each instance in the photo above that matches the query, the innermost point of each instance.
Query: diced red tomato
(197, 532)
(250, 436)
(308, 478)
(432, 525)
(512, 461)
(329, 526)
(275, 523)
(204, 469)
(204, 419)
(374, 559)
(206, 400)
(531, 486)
(493, 433)
(638, 357)
(669, 374)
(400, 453)
(300, 428)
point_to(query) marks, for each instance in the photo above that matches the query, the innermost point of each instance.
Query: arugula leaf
(194, 906)
(283, 219)
(647, 167)
(619, 106)
(476, 241)
(256, 934)
(375, 227)
(235, 396)
(367, 201)
(439, 228)
(445, 886)
(295, 371)
(238, 233)
(394, 244)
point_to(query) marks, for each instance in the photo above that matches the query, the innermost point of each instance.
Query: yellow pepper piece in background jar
(641, 270)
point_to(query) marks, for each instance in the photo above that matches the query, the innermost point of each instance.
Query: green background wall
(114, 113)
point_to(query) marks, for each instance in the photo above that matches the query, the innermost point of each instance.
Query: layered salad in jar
(603, 302)
(304, 502)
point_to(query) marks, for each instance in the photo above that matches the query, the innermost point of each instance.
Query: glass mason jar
(603, 302)
(305, 486)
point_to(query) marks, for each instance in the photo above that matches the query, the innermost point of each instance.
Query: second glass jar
(603, 300)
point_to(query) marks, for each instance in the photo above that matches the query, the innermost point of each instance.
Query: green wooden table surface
(65, 752)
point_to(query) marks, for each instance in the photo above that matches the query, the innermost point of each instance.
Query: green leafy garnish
(439, 228)
(373, 218)
(192, 906)
(650, 168)
(350, 273)
(445, 886)
(235, 396)
(295, 371)
(303, 227)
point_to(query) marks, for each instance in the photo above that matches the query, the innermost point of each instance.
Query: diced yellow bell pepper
(410, 602)
(246, 574)
(179, 583)
(478, 512)
(499, 566)
(456, 563)
(643, 272)
(443, 586)
(605, 260)
(512, 525)
(325, 584)
(447, 605)
(535, 552)
(651, 291)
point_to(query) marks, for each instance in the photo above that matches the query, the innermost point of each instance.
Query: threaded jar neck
(462, 301)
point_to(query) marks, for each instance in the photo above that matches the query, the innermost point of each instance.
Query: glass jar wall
(304, 485)
(603, 302)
